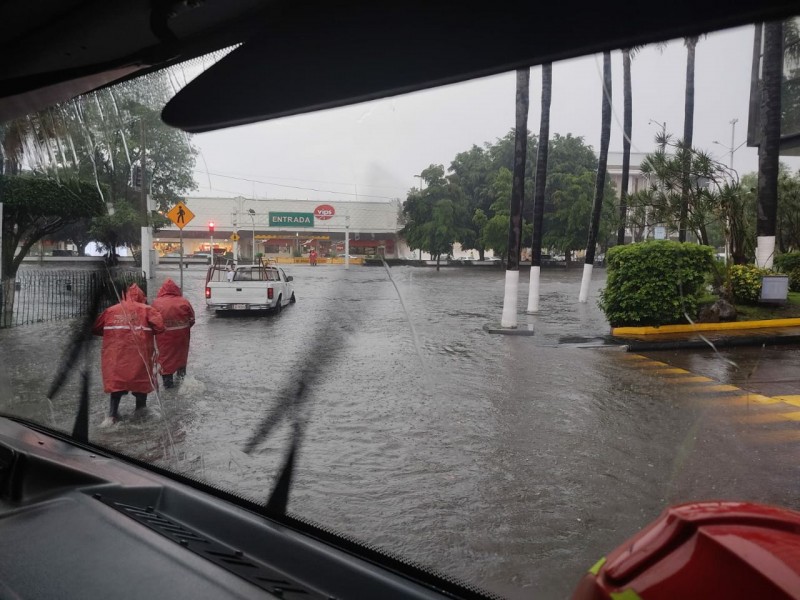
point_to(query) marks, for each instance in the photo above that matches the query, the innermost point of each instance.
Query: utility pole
(253, 220)
(146, 242)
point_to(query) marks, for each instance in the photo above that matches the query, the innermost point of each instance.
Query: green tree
(671, 201)
(34, 207)
(788, 228)
(77, 233)
(737, 202)
(433, 215)
(105, 137)
(472, 172)
(120, 227)
(572, 169)
(495, 230)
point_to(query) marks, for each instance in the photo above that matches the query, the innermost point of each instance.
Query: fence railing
(52, 295)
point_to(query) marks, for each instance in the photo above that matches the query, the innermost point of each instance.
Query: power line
(296, 187)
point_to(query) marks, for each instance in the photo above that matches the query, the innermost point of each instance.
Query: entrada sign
(291, 219)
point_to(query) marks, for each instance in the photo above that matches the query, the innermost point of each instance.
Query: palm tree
(769, 146)
(688, 130)
(600, 181)
(509, 318)
(627, 55)
(539, 187)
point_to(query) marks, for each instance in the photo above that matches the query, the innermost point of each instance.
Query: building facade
(274, 227)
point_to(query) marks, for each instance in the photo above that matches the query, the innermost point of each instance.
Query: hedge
(789, 264)
(655, 283)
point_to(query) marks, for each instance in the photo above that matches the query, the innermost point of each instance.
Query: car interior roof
(312, 55)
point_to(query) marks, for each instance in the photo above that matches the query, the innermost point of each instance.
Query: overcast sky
(373, 150)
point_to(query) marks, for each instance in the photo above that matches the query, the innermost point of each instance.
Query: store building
(246, 226)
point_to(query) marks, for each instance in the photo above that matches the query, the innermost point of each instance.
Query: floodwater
(511, 462)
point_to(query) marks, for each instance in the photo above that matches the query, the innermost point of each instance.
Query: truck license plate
(240, 307)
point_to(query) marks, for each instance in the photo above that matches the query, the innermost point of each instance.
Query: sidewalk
(740, 333)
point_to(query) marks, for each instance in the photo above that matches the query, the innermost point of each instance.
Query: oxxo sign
(324, 212)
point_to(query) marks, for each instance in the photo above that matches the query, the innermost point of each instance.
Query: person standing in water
(173, 343)
(128, 357)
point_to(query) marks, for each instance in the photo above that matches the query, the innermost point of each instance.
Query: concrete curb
(728, 342)
(701, 327)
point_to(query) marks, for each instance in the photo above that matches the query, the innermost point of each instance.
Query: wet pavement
(511, 462)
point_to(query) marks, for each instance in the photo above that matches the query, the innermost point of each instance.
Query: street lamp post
(732, 150)
(253, 219)
(663, 126)
(347, 240)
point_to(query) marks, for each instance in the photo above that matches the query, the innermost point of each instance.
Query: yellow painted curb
(688, 328)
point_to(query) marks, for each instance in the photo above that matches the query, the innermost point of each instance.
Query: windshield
(465, 380)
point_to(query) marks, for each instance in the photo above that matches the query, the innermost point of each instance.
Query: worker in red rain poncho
(173, 344)
(128, 355)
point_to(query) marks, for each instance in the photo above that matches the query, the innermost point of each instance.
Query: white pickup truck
(251, 287)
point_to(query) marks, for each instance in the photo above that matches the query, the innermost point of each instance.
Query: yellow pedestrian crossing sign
(180, 215)
(234, 237)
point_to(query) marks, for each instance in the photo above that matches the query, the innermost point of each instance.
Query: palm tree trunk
(688, 131)
(626, 143)
(769, 146)
(509, 318)
(539, 187)
(600, 181)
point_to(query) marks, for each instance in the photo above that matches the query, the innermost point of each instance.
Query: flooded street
(510, 462)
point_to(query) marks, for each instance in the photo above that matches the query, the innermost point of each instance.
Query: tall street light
(663, 126)
(253, 219)
(731, 148)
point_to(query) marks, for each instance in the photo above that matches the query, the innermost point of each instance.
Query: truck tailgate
(239, 292)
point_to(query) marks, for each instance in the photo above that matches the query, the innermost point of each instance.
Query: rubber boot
(113, 405)
(168, 381)
(181, 374)
(141, 401)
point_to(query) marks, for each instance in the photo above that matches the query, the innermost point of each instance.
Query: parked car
(253, 288)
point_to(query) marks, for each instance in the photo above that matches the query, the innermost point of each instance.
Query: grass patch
(750, 312)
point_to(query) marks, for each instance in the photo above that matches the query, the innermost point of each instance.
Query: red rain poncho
(128, 355)
(173, 344)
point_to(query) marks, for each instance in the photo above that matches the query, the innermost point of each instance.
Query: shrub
(746, 282)
(790, 265)
(655, 283)
(786, 263)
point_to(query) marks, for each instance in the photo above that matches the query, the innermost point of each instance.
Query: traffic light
(211, 227)
(136, 177)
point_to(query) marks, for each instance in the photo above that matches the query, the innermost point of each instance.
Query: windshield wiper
(79, 345)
